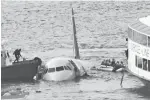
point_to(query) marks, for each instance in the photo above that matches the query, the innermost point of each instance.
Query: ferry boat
(18, 71)
(139, 49)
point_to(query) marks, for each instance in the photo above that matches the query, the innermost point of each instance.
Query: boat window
(136, 64)
(51, 70)
(139, 62)
(140, 38)
(144, 64)
(149, 41)
(59, 68)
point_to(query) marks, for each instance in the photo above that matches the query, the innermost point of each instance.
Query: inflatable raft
(107, 69)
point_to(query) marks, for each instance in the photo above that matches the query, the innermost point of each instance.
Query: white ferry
(139, 49)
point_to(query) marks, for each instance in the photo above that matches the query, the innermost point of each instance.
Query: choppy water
(45, 29)
(98, 86)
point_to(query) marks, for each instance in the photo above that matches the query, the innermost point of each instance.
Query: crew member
(126, 51)
(17, 54)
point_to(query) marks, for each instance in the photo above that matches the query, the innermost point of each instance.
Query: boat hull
(21, 71)
(145, 82)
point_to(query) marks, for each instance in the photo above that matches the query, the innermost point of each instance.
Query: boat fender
(35, 77)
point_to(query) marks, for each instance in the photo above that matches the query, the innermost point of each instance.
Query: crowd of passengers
(115, 64)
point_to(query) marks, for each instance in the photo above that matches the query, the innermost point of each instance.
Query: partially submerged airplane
(62, 68)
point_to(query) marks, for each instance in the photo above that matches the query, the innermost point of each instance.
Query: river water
(44, 29)
(98, 86)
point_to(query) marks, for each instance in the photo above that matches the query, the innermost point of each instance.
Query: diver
(17, 54)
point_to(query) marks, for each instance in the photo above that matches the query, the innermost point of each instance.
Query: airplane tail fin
(76, 48)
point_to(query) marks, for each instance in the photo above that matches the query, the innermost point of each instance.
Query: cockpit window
(59, 68)
(51, 70)
(67, 68)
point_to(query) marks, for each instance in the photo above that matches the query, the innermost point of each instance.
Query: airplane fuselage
(61, 68)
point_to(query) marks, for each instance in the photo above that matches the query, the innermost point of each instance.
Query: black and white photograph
(75, 50)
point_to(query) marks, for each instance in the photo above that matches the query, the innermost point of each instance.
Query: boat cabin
(139, 48)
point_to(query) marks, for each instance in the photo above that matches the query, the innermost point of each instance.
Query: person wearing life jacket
(103, 62)
(118, 66)
(40, 69)
(113, 63)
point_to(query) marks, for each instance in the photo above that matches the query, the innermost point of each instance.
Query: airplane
(65, 68)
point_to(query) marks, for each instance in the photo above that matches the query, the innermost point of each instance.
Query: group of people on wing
(115, 64)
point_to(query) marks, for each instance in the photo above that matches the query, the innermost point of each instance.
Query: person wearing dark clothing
(126, 52)
(17, 54)
(40, 69)
(113, 63)
(118, 66)
(8, 54)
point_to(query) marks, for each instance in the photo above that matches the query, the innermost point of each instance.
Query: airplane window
(65, 67)
(144, 64)
(51, 70)
(59, 68)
